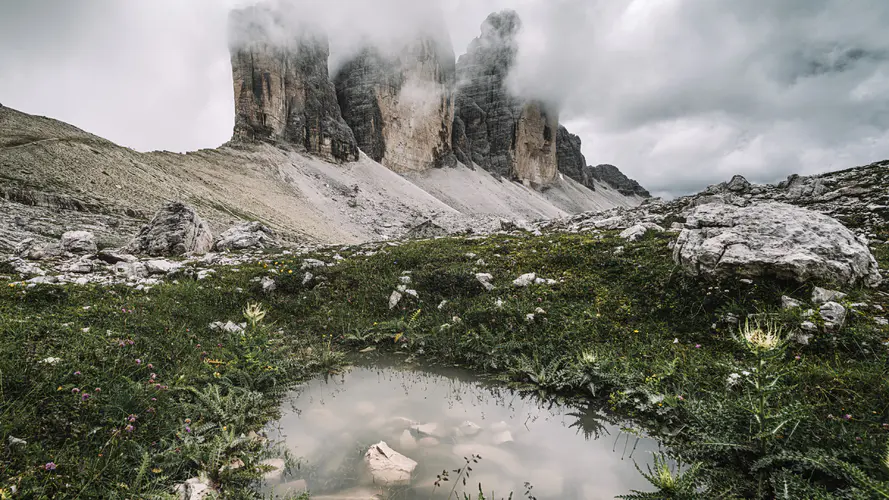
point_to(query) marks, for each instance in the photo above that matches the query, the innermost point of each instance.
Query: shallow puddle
(437, 419)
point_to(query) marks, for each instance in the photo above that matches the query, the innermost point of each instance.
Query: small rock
(636, 232)
(387, 466)
(442, 304)
(159, 266)
(312, 264)
(394, 299)
(113, 257)
(80, 266)
(834, 315)
(822, 295)
(881, 321)
(525, 280)
(246, 235)
(485, 280)
(789, 302)
(307, 278)
(268, 284)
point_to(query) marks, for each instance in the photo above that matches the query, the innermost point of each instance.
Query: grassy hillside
(618, 327)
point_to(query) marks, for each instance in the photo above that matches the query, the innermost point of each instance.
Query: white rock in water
(502, 437)
(773, 239)
(468, 428)
(387, 466)
(525, 280)
(407, 441)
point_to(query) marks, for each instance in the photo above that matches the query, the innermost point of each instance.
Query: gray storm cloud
(677, 93)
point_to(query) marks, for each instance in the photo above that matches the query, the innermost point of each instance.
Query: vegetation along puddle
(438, 420)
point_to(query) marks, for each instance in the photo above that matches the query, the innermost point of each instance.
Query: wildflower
(157, 386)
(676, 340)
(97, 389)
(680, 398)
(759, 339)
(84, 396)
(797, 357)
(254, 313)
(225, 427)
(635, 331)
(138, 361)
(153, 375)
(188, 429)
(129, 428)
(697, 346)
(187, 420)
(157, 470)
(76, 374)
(847, 416)
(217, 374)
(50, 466)
(75, 390)
(150, 366)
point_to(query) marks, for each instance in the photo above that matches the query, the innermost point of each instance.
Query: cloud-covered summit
(677, 93)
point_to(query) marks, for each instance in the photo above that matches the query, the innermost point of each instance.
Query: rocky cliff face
(570, 159)
(283, 93)
(400, 105)
(492, 128)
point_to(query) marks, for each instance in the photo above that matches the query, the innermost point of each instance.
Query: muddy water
(437, 419)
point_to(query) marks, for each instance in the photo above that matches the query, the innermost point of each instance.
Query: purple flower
(150, 366)
(129, 428)
(75, 390)
(153, 375)
(131, 418)
(158, 386)
(847, 416)
(187, 429)
(76, 374)
(154, 399)
(84, 396)
(138, 361)
(49, 466)
(697, 346)
(796, 357)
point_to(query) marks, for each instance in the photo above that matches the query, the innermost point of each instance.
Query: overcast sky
(678, 94)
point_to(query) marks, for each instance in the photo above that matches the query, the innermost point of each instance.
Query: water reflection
(437, 418)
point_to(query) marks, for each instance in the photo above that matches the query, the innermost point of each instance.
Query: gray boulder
(175, 230)
(834, 316)
(246, 235)
(637, 231)
(773, 239)
(79, 242)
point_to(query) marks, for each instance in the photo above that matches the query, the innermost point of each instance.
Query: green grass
(624, 330)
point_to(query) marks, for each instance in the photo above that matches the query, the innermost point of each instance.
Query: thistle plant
(254, 313)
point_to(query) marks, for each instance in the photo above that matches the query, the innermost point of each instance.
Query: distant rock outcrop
(400, 106)
(493, 129)
(610, 174)
(283, 93)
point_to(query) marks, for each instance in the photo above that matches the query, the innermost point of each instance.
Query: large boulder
(246, 235)
(79, 242)
(175, 230)
(773, 239)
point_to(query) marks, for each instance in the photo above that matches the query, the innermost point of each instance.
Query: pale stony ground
(56, 177)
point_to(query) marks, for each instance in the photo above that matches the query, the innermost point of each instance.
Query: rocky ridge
(572, 163)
